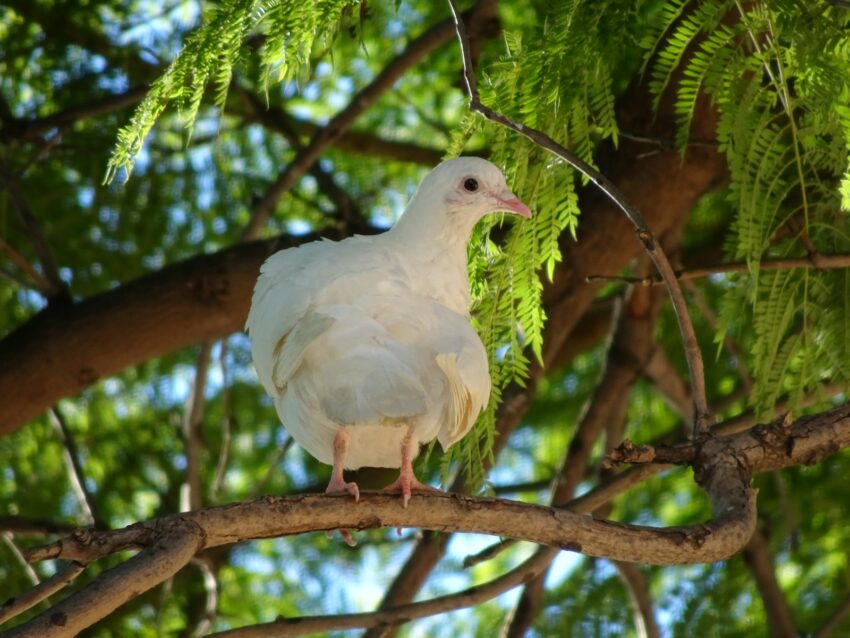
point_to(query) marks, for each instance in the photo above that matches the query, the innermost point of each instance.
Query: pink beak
(510, 202)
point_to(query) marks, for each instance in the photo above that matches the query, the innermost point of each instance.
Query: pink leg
(407, 481)
(337, 483)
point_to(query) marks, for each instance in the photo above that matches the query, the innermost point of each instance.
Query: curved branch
(723, 465)
(275, 516)
(287, 627)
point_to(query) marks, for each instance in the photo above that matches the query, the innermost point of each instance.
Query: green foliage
(779, 74)
(785, 131)
(545, 82)
(291, 30)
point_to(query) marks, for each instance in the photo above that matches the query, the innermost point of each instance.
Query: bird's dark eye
(470, 184)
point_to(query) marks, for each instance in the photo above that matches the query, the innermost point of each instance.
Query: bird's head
(471, 186)
(455, 195)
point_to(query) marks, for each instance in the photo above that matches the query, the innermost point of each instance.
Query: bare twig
(710, 317)
(33, 229)
(76, 473)
(9, 542)
(226, 424)
(33, 527)
(192, 496)
(488, 552)
(818, 261)
(659, 370)
(41, 592)
(44, 286)
(702, 420)
(644, 616)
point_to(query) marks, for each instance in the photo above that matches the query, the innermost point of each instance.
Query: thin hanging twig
(76, 472)
(702, 420)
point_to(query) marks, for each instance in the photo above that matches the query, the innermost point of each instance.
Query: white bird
(365, 345)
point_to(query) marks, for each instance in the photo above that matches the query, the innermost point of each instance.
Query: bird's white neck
(430, 228)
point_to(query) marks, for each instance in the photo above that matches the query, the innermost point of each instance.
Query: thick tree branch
(64, 349)
(764, 448)
(176, 542)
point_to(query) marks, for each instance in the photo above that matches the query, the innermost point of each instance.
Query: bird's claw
(407, 484)
(338, 486)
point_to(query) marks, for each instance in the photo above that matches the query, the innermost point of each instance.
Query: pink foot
(407, 483)
(339, 486)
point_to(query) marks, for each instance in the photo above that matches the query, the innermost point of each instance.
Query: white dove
(365, 345)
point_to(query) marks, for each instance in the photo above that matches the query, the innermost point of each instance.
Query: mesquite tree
(682, 285)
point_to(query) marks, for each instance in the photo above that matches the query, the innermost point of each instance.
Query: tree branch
(193, 496)
(25, 130)
(358, 142)
(702, 418)
(41, 592)
(44, 286)
(405, 613)
(77, 476)
(630, 349)
(779, 618)
(764, 448)
(64, 349)
(836, 617)
(278, 121)
(176, 542)
(644, 616)
(33, 527)
(817, 261)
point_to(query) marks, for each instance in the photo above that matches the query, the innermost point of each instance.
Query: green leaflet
(779, 75)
